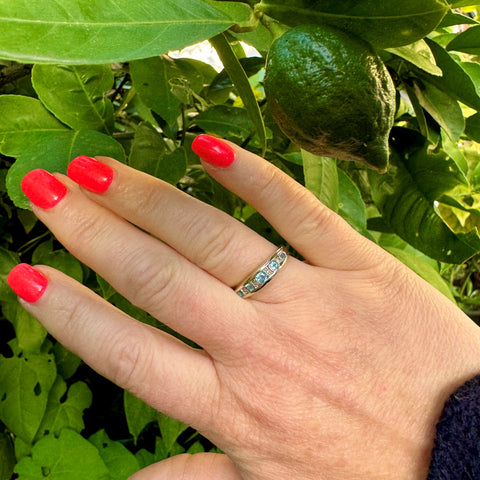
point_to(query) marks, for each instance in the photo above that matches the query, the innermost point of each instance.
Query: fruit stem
(277, 29)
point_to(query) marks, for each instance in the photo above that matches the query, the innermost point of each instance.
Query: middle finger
(146, 271)
(205, 235)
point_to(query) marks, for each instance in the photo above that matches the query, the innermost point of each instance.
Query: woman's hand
(337, 369)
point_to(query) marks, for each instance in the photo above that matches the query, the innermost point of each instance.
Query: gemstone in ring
(263, 274)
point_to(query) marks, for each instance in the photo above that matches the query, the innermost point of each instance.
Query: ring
(263, 274)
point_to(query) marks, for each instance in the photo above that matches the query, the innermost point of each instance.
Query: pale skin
(338, 369)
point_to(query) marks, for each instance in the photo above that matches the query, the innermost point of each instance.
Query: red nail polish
(213, 150)
(43, 189)
(90, 174)
(28, 283)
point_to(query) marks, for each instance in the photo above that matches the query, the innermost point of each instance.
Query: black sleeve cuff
(456, 454)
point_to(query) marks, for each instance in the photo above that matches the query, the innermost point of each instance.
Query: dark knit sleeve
(456, 454)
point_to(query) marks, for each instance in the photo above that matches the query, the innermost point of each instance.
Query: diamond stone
(261, 277)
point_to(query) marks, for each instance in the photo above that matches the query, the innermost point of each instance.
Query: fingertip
(27, 282)
(90, 173)
(213, 150)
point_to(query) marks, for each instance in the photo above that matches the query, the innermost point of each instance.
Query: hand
(337, 369)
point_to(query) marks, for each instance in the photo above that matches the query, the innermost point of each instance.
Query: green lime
(331, 94)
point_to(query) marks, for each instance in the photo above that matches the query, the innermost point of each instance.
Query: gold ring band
(263, 274)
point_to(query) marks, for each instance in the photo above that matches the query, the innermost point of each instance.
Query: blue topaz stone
(273, 265)
(250, 287)
(261, 277)
(240, 293)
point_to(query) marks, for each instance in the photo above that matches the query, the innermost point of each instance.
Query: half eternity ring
(263, 274)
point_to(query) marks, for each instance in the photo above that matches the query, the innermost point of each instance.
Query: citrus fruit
(331, 94)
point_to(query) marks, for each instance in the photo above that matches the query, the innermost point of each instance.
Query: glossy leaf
(153, 79)
(468, 41)
(406, 196)
(78, 32)
(240, 80)
(419, 54)
(76, 94)
(25, 124)
(68, 456)
(321, 178)
(227, 122)
(56, 152)
(456, 78)
(388, 23)
(444, 108)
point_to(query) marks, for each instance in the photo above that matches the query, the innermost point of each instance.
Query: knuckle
(131, 357)
(148, 285)
(217, 246)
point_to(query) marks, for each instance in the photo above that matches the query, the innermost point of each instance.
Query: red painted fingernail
(43, 189)
(28, 283)
(213, 150)
(90, 174)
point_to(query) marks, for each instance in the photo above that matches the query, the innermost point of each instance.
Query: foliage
(94, 78)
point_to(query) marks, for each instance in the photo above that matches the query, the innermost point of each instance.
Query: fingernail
(213, 150)
(90, 174)
(43, 189)
(28, 283)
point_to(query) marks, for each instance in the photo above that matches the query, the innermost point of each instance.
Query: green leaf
(443, 108)
(8, 260)
(321, 178)
(172, 167)
(25, 382)
(61, 260)
(352, 207)
(231, 123)
(452, 18)
(30, 333)
(240, 80)
(419, 54)
(7, 457)
(240, 13)
(472, 128)
(388, 23)
(456, 79)
(170, 429)
(67, 362)
(148, 154)
(144, 458)
(68, 413)
(76, 94)
(153, 79)
(25, 124)
(406, 195)
(423, 269)
(68, 457)
(120, 462)
(468, 41)
(81, 33)
(54, 153)
(138, 414)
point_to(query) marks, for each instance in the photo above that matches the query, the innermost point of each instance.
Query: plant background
(76, 88)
